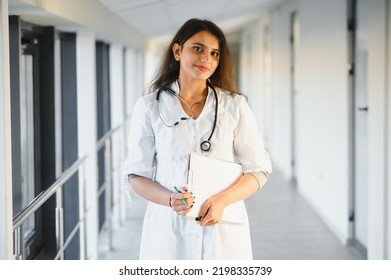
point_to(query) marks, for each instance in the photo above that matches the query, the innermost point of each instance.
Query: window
(32, 119)
(24, 55)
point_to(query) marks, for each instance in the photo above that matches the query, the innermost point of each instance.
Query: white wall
(251, 76)
(87, 136)
(141, 78)
(134, 86)
(252, 81)
(281, 145)
(5, 139)
(323, 112)
(153, 57)
(132, 83)
(117, 99)
(322, 103)
(378, 128)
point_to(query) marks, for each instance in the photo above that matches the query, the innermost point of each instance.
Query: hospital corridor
(316, 75)
(299, 234)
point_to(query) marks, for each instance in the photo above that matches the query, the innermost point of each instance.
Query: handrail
(105, 141)
(55, 189)
(46, 194)
(69, 239)
(107, 135)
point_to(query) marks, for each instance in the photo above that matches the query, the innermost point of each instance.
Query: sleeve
(248, 144)
(141, 143)
(261, 177)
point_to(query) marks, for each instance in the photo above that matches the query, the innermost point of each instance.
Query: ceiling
(159, 18)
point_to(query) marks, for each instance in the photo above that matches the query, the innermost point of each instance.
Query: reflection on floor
(283, 227)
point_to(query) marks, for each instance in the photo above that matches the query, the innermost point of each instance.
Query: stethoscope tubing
(205, 145)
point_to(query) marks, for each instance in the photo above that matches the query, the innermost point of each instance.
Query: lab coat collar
(175, 87)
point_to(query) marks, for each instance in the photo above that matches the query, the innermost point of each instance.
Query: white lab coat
(161, 153)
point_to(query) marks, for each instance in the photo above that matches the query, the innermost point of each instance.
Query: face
(198, 57)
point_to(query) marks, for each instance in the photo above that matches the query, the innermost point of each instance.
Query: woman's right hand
(178, 205)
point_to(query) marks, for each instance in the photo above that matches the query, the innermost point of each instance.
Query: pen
(184, 200)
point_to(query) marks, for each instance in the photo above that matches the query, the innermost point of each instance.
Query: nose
(205, 59)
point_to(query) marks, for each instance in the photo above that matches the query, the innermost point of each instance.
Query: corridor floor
(283, 227)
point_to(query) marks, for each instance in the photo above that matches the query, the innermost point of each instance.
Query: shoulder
(147, 100)
(229, 97)
(144, 107)
(231, 102)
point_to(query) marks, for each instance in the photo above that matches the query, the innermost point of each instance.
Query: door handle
(363, 109)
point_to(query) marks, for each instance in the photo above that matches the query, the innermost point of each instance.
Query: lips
(202, 68)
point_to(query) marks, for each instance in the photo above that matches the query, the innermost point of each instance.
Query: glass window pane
(27, 138)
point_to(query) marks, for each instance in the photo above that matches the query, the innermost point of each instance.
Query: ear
(176, 51)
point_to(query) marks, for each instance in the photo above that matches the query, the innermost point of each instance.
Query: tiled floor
(283, 227)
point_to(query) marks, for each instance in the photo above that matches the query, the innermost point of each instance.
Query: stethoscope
(205, 145)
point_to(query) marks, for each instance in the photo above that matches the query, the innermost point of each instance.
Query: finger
(176, 199)
(177, 195)
(204, 209)
(187, 195)
(190, 200)
(208, 221)
(186, 202)
(179, 205)
(209, 218)
(181, 195)
(205, 220)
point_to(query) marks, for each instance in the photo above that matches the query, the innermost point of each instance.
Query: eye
(198, 49)
(215, 54)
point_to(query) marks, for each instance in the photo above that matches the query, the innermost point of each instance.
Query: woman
(177, 118)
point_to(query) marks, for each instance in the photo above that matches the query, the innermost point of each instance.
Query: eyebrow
(202, 45)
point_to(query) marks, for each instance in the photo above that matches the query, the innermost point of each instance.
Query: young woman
(193, 107)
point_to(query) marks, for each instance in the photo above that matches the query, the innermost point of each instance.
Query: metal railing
(106, 142)
(39, 200)
(56, 189)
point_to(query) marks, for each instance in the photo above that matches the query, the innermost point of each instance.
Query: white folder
(208, 177)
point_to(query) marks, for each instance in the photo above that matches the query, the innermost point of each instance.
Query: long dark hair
(223, 77)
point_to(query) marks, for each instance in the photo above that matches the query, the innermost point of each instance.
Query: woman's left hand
(212, 212)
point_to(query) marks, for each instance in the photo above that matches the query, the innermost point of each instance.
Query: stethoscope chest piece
(205, 146)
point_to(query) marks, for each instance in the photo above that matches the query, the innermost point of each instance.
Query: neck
(192, 91)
